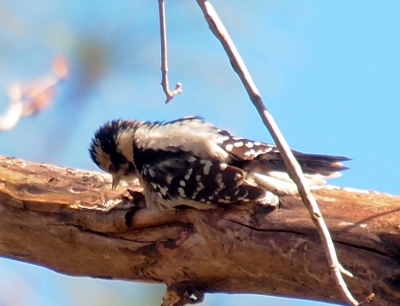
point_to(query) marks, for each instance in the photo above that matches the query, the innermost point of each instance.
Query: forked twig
(164, 57)
(295, 172)
(31, 97)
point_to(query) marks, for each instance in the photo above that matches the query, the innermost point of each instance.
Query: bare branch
(71, 221)
(29, 98)
(179, 296)
(164, 56)
(14, 111)
(293, 167)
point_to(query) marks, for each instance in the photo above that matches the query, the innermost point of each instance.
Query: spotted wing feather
(185, 179)
(254, 155)
(242, 148)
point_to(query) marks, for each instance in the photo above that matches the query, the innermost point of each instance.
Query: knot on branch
(182, 294)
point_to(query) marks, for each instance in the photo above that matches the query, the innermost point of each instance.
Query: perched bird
(191, 162)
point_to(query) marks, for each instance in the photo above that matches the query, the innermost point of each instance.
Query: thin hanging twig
(164, 56)
(295, 172)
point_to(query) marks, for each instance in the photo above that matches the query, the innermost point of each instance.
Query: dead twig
(293, 167)
(179, 295)
(29, 98)
(164, 57)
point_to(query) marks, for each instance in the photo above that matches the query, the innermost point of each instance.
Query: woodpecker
(190, 162)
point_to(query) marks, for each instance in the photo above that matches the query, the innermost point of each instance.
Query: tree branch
(164, 56)
(29, 98)
(70, 221)
(291, 163)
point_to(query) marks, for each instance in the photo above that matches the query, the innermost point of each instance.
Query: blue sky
(328, 72)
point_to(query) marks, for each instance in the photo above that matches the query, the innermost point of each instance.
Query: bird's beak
(115, 182)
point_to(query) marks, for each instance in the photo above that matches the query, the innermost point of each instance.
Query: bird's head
(112, 150)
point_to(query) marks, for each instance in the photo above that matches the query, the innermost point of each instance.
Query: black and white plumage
(190, 162)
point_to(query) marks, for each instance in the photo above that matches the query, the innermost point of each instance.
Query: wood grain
(70, 221)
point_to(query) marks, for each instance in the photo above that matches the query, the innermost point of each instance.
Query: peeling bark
(70, 221)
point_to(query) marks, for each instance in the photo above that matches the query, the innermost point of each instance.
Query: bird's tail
(269, 170)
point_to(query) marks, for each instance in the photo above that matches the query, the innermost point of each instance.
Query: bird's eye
(113, 168)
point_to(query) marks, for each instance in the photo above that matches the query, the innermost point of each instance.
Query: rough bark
(70, 221)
